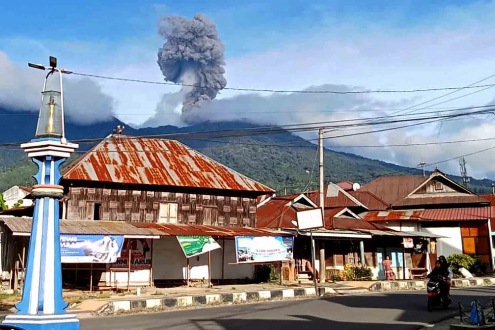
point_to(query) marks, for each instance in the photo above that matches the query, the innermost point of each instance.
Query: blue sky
(268, 44)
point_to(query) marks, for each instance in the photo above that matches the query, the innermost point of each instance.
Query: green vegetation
(471, 263)
(284, 162)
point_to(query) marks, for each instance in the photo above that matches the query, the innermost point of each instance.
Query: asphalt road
(394, 311)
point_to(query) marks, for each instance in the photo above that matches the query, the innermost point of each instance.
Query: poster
(263, 249)
(408, 243)
(140, 255)
(90, 248)
(196, 245)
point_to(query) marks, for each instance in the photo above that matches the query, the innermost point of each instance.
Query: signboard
(408, 243)
(251, 249)
(90, 248)
(309, 219)
(196, 245)
(140, 255)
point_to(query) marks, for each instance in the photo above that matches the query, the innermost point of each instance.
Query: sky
(282, 45)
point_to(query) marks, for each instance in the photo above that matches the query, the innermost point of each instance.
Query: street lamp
(42, 306)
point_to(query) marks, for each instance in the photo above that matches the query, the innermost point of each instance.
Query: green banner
(196, 245)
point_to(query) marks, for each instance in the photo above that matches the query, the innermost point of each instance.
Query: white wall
(169, 262)
(13, 195)
(401, 226)
(450, 245)
(119, 279)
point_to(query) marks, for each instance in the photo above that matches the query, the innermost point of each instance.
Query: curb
(387, 286)
(170, 303)
(119, 306)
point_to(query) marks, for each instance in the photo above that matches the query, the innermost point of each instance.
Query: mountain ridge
(268, 158)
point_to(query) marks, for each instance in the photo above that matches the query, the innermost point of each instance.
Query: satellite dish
(356, 186)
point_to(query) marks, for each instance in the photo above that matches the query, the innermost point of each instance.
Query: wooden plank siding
(144, 206)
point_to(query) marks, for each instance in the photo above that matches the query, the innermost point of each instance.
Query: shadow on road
(305, 322)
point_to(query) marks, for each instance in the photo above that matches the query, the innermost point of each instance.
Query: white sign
(309, 219)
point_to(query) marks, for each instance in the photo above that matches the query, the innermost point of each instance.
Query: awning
(203, 230)
(21, 226)
(396, 233)
(325, 233)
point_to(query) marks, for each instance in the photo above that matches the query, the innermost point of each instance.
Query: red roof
(397, 190)
(465, 213)
(202, 230)
(390, 189)
(150, 161)
(393, 215)
(346, 185)
(341, 200)
(279, 212)
(450, 214)
(355, 224)
(372, 202)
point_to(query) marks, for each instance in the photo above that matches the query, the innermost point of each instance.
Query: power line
(418, 90)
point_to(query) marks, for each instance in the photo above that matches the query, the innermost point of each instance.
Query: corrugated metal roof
(84, 227)
(198, 230)
(465, 213)
(341, 200)
(390, 189)
(372, 202)
(396, 190)
(392, 215)
(468, 199)
(151, 161)
(450, 214)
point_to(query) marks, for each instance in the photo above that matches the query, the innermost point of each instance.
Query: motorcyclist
(446, 266)
(442, 272)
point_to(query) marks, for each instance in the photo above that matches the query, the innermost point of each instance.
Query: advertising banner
(90, 248)
(140, 255)
(251, 249)
(196, 245)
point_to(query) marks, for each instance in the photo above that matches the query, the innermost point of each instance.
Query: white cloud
(21, 87)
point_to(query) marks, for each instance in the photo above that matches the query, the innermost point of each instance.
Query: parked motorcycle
(436, 296)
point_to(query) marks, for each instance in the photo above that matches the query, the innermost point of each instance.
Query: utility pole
(322, 206)
(422, 165)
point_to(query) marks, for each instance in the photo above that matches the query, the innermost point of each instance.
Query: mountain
(282, 160)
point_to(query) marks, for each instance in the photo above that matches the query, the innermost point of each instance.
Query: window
(438, 186)
(96, 214)
(167, 213)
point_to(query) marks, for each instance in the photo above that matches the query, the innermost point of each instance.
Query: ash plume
(193, 57)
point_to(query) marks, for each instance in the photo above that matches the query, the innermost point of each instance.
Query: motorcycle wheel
(430, 304)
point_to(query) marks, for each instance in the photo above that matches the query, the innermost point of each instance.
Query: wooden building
(164, 189)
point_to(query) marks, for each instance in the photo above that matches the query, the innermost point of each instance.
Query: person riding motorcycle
(446, 266)
(442, 272)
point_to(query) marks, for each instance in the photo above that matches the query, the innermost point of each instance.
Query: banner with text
(251, 249)
(140, 255)
(196, 245)
(90, 248)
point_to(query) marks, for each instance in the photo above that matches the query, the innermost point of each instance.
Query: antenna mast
(465, 178)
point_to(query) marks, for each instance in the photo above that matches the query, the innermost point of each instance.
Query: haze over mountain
(283, 161)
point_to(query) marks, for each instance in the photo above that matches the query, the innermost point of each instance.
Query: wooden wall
(143, 206)
(476, 239)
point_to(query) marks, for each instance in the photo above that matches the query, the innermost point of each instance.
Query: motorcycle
(436, 296)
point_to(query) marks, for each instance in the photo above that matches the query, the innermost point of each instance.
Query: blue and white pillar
(42, 306)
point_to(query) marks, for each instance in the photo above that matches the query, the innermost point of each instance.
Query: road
(374, 311)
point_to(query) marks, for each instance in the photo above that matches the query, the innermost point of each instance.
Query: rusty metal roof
(444, 214)
(199, 230)
(395, 215)
(464, 213)
(372, 202)
(152, 161)
(391, 189)
(22, 226)
(398, 191)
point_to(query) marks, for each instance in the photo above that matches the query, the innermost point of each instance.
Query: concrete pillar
(361, 253)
